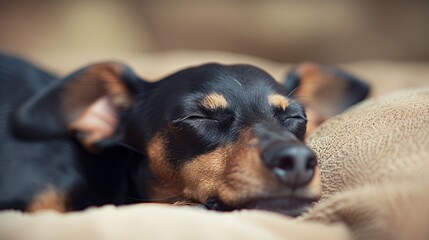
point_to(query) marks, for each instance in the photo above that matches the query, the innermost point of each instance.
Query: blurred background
(328, 31)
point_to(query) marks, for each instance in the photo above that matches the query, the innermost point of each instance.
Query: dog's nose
(293, 164)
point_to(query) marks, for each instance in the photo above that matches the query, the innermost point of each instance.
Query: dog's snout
(293, 164)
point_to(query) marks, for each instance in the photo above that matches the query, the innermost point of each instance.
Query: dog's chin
(290, 206)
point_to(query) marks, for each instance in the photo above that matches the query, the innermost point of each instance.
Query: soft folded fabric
(157, 221)
(373, 162)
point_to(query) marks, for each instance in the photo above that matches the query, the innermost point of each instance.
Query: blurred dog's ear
(90, 103)
(324, 91)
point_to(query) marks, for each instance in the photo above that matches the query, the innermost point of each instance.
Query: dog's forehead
(215, 86)
(237, 76)
(234, 81)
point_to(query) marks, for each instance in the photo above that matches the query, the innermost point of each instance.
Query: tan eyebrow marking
(279, 101)
(214, 101)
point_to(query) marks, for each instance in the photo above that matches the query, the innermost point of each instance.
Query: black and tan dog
(227, 137)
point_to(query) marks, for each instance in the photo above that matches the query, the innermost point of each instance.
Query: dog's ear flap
(324, 91)
(90, 103)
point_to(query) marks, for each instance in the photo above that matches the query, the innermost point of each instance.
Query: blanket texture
(373, 161)
(157, 221)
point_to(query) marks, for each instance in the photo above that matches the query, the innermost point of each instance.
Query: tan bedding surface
(156, 221)
(373, 162)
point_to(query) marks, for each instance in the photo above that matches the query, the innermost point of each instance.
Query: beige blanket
(373, 161)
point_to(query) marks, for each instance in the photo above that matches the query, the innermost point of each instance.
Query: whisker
(154, 199)
(130, 147)
(293, 90)
(138, 199)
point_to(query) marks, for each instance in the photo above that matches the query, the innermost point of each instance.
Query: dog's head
(227, 137)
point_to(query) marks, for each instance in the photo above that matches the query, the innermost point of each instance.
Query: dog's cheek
(203, 175)
(233, 173)
(246, 176)
(165, 182)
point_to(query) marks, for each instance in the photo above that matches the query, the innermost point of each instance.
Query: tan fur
(278, 101)
(82, 97)
(167, 185)
(98, 80)
(214, 101)
(203, 175)
(320, 92)
(234, 173)
(98, 122)
(247, 176)
(48, 199)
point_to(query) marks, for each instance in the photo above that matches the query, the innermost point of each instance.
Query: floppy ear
(90, 103)
(324, 91)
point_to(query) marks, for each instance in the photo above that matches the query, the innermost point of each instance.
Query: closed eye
(199, 117)
(194, 118)
(295, 124)
(289, 113)
(296, 117)
(283, 116)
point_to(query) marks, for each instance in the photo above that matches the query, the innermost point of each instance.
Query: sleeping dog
(223, 136)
